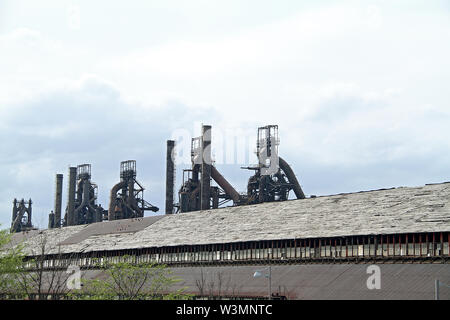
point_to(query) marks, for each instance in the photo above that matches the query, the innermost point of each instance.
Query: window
(438, 251)
(384, 250)
(390, 249)
(424, 249)
(445, 248)
(327, 251)
(367, 250)
(417, 249)
(410, 249)
(323, 251)
(291, 253)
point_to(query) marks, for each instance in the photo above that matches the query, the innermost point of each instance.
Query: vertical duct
(58, 201)
(51, 220)
(170, 176)
(29, 213)
(112, 200)
(14, 213)
(71, 196)
(205, 193)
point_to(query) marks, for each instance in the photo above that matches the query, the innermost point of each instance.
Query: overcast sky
(360, 90)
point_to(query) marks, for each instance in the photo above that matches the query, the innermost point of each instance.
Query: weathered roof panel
(387, 211)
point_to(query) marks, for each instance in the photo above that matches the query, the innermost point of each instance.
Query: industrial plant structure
(21, 216)
(126, 199)
(272, 181)
(313, 247)
(127, 196)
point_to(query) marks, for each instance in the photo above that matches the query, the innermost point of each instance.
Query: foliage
(36, 281)
(28, 278)
(126, 280)
(11, 259)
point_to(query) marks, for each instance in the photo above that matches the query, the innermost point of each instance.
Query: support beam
(225, 185)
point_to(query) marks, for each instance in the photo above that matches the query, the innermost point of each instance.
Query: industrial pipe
(205, 186)
(225, 185)
(71, 197)
(112, 199)
(58, 201)
(292, 178)
(170, 176)
(85, 200)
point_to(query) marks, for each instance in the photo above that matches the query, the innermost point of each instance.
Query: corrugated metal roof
(387, 211)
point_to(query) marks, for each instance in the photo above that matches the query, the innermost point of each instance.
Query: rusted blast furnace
(127, 196)
(196, 192)
(82, 205)
(21, 216)
(273, 178)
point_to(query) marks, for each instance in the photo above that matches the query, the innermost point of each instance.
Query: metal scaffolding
(82, 207)
(21, 216)
(127, 196)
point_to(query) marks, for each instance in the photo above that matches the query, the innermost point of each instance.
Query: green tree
(35, 279)
(126, 280)
(11, 261)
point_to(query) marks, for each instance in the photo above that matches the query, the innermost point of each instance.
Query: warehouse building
(314, 248)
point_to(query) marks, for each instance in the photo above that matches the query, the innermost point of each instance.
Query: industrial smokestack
(14, 213)
(29, 213)
(205, 194)
(170, 176)
(51, 220)
(71, 196)
(58, 201)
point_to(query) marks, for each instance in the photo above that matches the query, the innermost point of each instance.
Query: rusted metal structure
(272, 181)
(127, 196)
(54, 218)
(273, 178)
(196, 192)
(170, 176)
(82, 207)
(205, 169)
(69, 218)
(21, 216)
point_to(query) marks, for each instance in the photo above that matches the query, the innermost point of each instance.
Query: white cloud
(359, 91)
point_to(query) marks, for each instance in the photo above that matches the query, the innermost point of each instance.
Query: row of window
(366, 250)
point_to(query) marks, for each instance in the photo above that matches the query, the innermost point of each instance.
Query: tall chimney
(71, 196)
(51, 220)
(14, 213)
(205, 194)
(58, 201)
(29, 213)
(170, 176)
